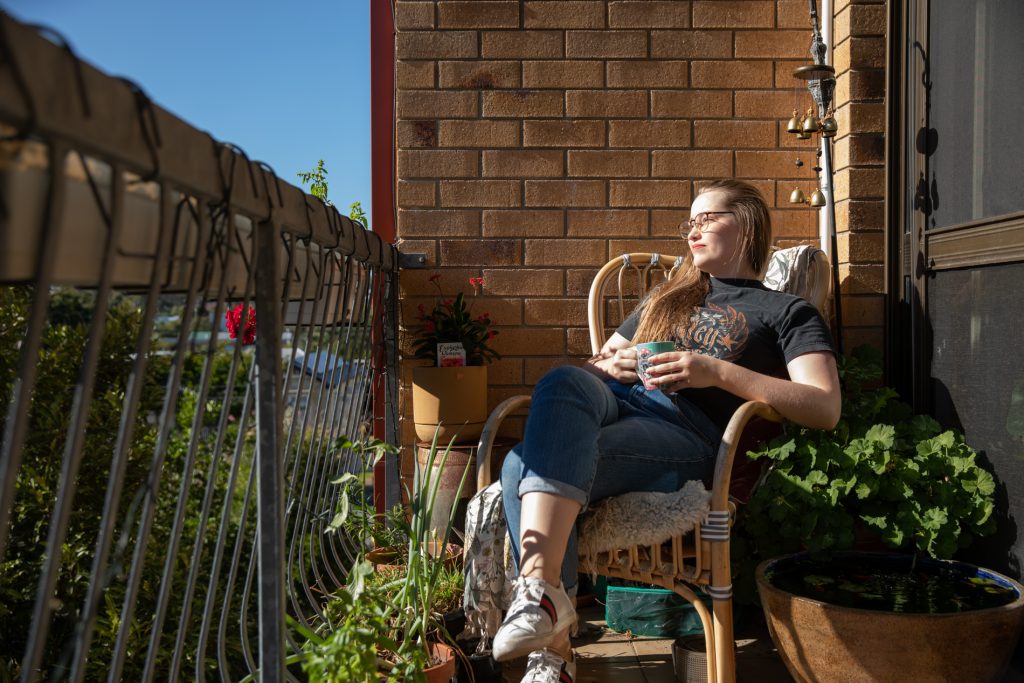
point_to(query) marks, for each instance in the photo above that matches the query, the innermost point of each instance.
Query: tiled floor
(604, 656)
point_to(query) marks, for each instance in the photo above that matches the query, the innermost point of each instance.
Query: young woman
(596, 433)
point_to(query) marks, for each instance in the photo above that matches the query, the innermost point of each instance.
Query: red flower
(428, 326)
(236, 319)
(435, 277)
(476, 281)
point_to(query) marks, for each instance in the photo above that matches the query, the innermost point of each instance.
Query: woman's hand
(677, 370)
(620, 364)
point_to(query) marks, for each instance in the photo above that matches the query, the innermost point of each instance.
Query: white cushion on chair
(642, 518)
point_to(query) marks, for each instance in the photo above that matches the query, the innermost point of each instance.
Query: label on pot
(451, 355)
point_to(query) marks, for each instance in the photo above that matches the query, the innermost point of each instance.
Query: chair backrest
(622, 282)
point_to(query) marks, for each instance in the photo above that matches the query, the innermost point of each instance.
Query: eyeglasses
(699, 221)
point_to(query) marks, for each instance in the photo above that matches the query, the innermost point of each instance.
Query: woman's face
(714, 237)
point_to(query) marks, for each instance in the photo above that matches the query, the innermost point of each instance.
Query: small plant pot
(444, 671)
(690, 659)
(393, 556)
(454, 623)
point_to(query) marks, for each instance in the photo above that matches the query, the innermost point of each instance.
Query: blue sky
(288, 82)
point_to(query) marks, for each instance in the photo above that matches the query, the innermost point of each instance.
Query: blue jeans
(588, 438)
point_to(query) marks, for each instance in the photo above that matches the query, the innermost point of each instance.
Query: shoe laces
(545, 666)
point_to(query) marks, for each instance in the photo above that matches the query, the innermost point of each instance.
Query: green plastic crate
(652, 612)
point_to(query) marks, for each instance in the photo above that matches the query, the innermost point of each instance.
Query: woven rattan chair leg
(725, 644)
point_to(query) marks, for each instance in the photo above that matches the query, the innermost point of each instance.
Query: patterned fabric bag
(489, 566)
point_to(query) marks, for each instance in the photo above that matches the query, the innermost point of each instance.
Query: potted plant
(392, 625)
(901, 482)
(450, 394)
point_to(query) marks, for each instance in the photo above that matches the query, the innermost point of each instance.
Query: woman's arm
(809, 397)
(617, 358)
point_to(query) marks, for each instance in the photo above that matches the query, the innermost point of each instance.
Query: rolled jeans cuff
(558, 488)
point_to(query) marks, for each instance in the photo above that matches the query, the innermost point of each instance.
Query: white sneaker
(547, 666)
(538, 614)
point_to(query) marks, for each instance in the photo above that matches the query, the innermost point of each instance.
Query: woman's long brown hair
(673, 302)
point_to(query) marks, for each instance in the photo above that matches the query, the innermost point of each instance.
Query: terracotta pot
(393, 556)
(452, 401)
(819, 641)
(445, 670)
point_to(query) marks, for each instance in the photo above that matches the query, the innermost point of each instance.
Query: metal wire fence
(184, 343)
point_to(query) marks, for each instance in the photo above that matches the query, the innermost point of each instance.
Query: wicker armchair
(697, 558)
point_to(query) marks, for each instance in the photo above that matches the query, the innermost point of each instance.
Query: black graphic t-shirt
(744, 322)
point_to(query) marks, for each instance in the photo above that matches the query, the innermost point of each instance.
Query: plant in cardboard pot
(450, 394)
(402, 607)
(834, 615)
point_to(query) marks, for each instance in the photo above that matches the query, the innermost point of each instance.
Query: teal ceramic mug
(643, 354)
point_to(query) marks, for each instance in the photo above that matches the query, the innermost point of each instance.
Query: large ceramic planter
(824, 642)
(452, 401)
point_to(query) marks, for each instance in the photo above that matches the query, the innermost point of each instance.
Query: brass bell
(794, 123)
(796, 196)
(817, 197)
(810, 124)
(829, 127)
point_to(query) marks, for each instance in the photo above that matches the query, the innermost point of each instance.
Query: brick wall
(538, 139)
(859, 54)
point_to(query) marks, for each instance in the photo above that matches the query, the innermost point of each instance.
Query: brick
(784, 78)
(606, 103)
(535, 368)
(859, 117)
(866, 149)
(861, 247)
(797, 222)
(863, 310)
(505, 371)
(734, 134)
(479, 75)
(733, 14)
(731, 74)
(864, 214)
(691, 104)
(860, 183)
(607, 223)
(861, 278)
(860, 20)
(563, 133)
(649, 193)
(426, 247)
(413, 194)
(556, 14)
(666, 222)
(523, 223)
(774, 43)
(649, 134)
(567, 252)
(864, 336)
(859, 53)
(605, 44)
(648, 74)
(561, 193)
(427, 104)
(411, 75)
(491, 252)
(532, 341)
(437, 164)
(764, 164)
(414, 15)
(602, 163)
(503, 311)
(793, 14)
(523, 104)
(483, 193)
(577, 341)
(436, 45)
(416, 134)
(521, 44)
(525, 282)
(479, 133)
(673, 247)
(439, 223)
(751, 104)
(528, 163)
(649, 14)
(691, 164)
(860, 85)
(555, 312)
(416, 282)
(477, 14)
(691, 44)
(578, 280)
(563, 74)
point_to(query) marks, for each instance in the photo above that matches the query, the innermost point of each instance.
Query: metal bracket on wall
(411, 260)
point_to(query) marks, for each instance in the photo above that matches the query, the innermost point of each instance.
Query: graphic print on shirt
(715, 331)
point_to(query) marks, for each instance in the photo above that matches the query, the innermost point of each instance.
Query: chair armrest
(727, 449)
(490, 431)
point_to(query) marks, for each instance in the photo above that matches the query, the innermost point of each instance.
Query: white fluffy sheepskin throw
(642, 518)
